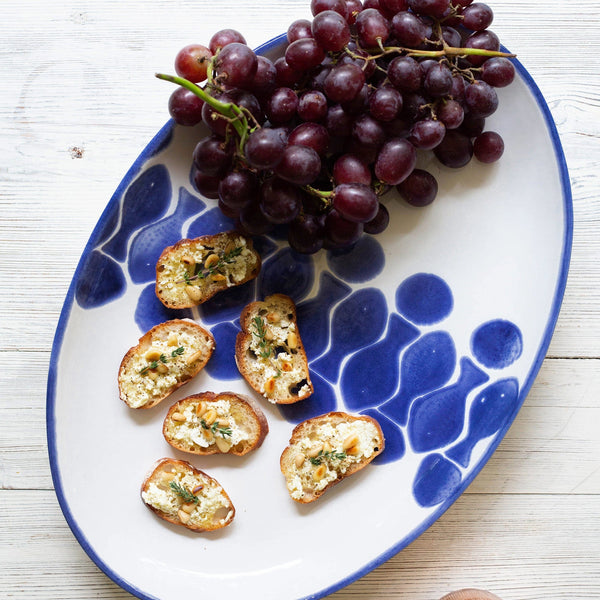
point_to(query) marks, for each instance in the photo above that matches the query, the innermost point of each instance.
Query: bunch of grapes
(314, 139)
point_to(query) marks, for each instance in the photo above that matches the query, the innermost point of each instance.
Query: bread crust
(162, 331)
(288, 386)
(164, 465)
(244, 411)
(310, 430)
(179, 262)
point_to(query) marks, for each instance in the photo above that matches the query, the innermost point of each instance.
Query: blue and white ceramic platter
(437, 328)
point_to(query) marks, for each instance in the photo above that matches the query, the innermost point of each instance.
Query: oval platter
(437, 328)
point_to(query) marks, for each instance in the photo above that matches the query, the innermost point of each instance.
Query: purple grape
(237, 188)
(312, 106)
(408, 29)
(313, 135)
(207, 185)
(253, 221)
(427, 134)
(339, 6)
(451, 113)
(281, 105)
(349, 168)
(404, 74)
(455, 151)
(264, 148)
(355, 202)
(438, 81)
(299, 29)
(498, 71)
(304, 54)
(477, 16)
(343, 83)
(235, 65)
(372, 27)
(338, 122)
(481, 99)
(305, 234)
(341, 232)
(419, 188)
(185, 107)
(212, 156)
(280, 200)
(472, 126)
(482, 40)
(223, 38)
(430, 8)
(488, 147)
(264, 81)
(331, 31)
(285, 76)
(385, 103)
(369, 131)
(395, 161)
(379, 222)
(299, 164)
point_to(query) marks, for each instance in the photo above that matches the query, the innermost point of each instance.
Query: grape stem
(233, 113)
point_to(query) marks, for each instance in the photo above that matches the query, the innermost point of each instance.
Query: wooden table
(78, 104)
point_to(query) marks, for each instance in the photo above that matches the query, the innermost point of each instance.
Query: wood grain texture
(78, 105)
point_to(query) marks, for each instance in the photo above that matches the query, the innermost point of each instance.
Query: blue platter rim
(157, 141)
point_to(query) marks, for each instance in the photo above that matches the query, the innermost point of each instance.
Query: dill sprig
(225, 259)
(162, 359)
(186, 495)
(260, 333)
(215, 428)
(317, 460)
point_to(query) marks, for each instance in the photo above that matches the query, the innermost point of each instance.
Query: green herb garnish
(186, 495)
(214, 428)
(225, 259)
(162, 359)
(260, 333)
(317, 460)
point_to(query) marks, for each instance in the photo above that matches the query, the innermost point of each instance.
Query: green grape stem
(229, 110)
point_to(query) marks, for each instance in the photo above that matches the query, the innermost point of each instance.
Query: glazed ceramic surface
(436, 327)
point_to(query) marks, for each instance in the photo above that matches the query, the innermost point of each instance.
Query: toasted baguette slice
(166, 357)
(211, 423)
(269, 352)
(181, 494)
(325, 450)
(192, 271)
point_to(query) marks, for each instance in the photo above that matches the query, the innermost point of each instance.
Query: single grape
(237, 188)
(299, 29)
(419, 188)
(379, 222)
(185, 107)
(339, 6)
(355, 202)
(312, 106)
(360, 103)
(457, 92)
(312, 135)
(349, 168)
(280, 201)
(305, 234)
(304, 54)
(212, 156)
(299, 164)
(369, 131)
(331, 31)
(488, 147)
(438, 81)
(477, 16)
(225, 37)
(343, 83)
(372, 27)
(481, 99)
(232, 213)
(430, 8)
(427, 134)
(214, 120)
(253, 221)
(338, 122)
(408, 29)
(456, 149)
(247, 100)
(385, 103)
(395, 161)
(415, 107)
(341, 232)
(265, 78)
(498, 71)
(281, 105)
(207, 185)
(236, 65)
(482, 40)
(391, 7)
(472, 126)
(404, 74)
(451, 113)
(264, 148)
(285, 76)
(192, 61)
(354, 7)
(451, 36)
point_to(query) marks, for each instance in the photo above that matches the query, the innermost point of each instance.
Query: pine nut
(314, 451)
(212, 260)
(286, 366)
(194, 357)
(183, 516)
(200, 409)
(173, 341)
(320, 472)
(354, 451)
(152, 355)
(218, 277)
(188, 507)
(177, 416)
(292, 340)
(270, 386)
(197, 489)
(327, 447)
(152, 374)
(273, 317)
(187, 260)
(162, 368)
(222, 444)
(299, 460)
(210, 416)
(194, 293)
(350, 442)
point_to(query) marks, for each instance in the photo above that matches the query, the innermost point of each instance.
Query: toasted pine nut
(152, 374)
(188, 260)
(188, 507)
(210, 416)
(299, 460)
(326, 447)
(152, 355)
(286, 366)
(273, 317)
(183, 516)
(162, 368)
(354, 451)
(200, 408)
(222, 444)
(177, 416)
(194, 293)
(173, 341)
(218, 277)
(269, 335)
(320, 472)
(314, 451)
(192, 358)
(167, 477)
(198, 488)
(270, 386)
(210, 261)
(350, 442)
(292, 340)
